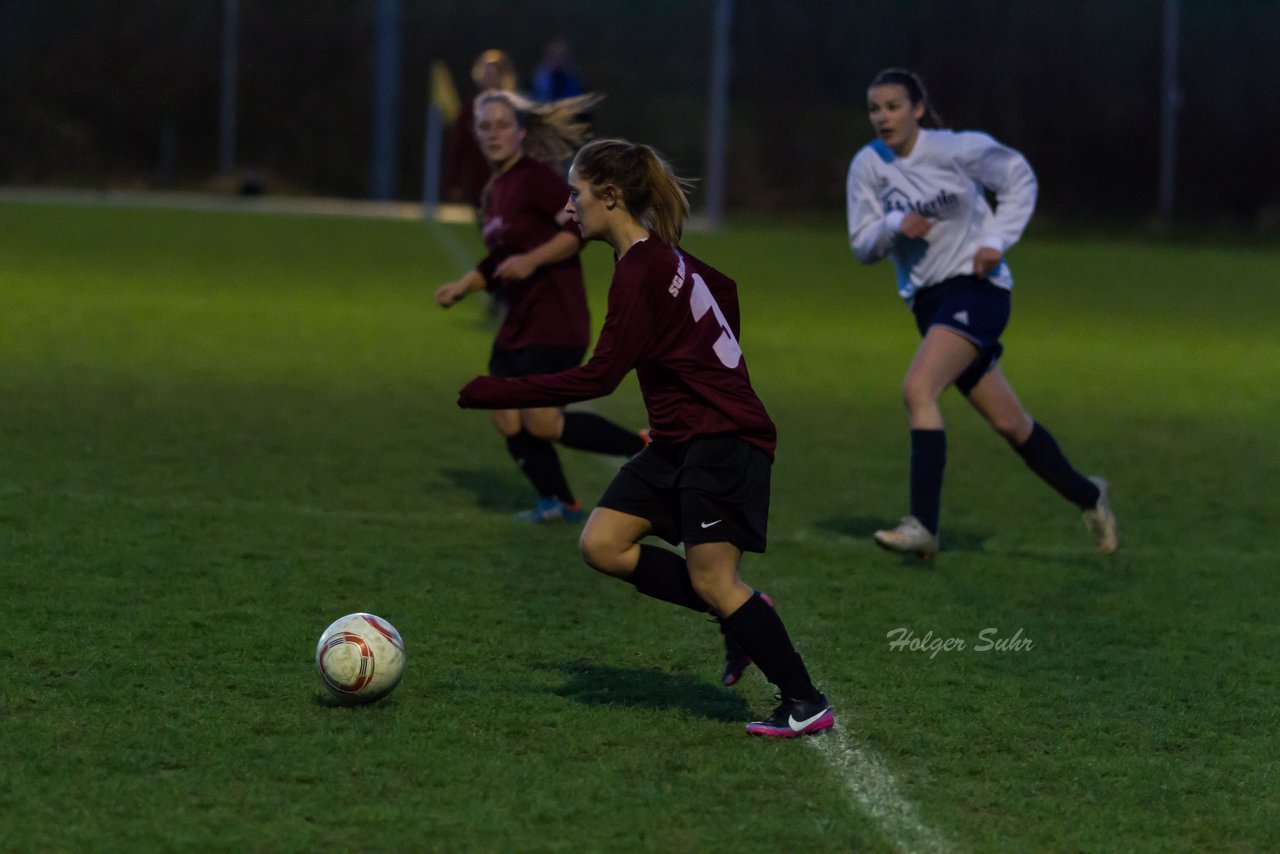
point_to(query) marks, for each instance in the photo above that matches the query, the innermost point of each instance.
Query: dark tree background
(125, 93)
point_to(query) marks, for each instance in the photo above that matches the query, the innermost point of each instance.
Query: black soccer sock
(759, 631)
(538, 460)
(928, 459)
(586, 431)
(664, 575)
(1043, 456)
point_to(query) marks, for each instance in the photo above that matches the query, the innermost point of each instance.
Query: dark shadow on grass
(327, 701)
(602, 685)
(953, 539)
(493, 489)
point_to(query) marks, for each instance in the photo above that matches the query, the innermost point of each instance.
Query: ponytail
(651, 191)
(910, 81)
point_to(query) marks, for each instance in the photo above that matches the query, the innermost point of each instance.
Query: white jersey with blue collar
(942, 179)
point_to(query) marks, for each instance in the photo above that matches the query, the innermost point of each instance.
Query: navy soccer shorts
(973, 308)
(709, 490)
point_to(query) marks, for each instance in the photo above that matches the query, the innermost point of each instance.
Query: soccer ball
(360, 658)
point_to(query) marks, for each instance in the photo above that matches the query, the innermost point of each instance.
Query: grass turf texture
(223, 431)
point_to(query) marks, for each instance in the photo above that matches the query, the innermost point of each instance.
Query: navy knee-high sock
(928, 459)
(758, 630)
(538, 460)
(1043, 456)
(586, 431)
(664, 575)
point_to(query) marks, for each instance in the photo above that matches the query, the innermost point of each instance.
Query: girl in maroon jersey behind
(704, 480)
(533, 269)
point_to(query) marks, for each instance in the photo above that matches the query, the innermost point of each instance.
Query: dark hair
(650, 189)
(910, 81)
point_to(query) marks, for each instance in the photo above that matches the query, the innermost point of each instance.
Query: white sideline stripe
(871, 785)
(458, 254)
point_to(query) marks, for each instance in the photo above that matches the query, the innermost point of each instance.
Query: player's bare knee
(917, 395)
(600, 552)
(541, 430)
(1014, 428)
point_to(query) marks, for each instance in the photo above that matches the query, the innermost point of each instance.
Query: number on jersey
(726, 346)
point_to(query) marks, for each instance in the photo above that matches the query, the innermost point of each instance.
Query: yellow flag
(443, 93)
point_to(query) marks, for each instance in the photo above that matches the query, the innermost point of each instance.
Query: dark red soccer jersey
(675, 321)
(549, 307)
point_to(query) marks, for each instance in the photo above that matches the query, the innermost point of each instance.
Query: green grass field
(222, 431)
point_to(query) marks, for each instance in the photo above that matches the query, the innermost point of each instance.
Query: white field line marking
(459, 255)
(871, 784)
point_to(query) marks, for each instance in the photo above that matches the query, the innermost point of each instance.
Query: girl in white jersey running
(916, 195)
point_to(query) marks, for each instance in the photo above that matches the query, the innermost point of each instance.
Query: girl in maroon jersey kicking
(704, 479)
(533, 269)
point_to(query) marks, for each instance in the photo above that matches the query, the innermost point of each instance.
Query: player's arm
(871, 230)
(523, 265)
(1009, 176)
(452, 293)
(627, 328)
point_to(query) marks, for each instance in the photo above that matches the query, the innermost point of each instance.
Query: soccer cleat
(910, 537)
(551, 509)
(795, 717)
(1101, 520)
(735, 660)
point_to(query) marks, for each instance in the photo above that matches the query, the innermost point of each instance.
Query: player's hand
(914, 225)
(985, 260)
(450, 294)
(516, 267)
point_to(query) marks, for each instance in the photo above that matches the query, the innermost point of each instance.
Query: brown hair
(910, 81)
(650, 189)
(552, 130)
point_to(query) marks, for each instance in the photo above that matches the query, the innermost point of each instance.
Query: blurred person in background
(466, 169)
(704, 481)
(556, 76)
(533, 269)
(916, 194)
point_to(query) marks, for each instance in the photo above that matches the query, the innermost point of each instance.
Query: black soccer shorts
(536, 359)
(709, 490)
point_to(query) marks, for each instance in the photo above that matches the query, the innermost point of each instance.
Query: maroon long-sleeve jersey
(549, 307)
(675, 320)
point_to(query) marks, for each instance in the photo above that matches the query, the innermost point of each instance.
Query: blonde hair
(506, 68)
(650, 189)
(554, 130)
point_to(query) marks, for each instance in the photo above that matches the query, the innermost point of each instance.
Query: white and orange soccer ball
(360, 658)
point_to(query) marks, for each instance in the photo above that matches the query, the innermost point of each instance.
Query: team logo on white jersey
(897, 200)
